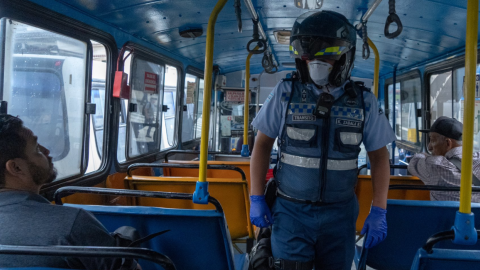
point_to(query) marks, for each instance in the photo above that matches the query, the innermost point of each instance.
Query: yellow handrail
(376, 70)
(468, 116)
(202, 177)
(247, 104)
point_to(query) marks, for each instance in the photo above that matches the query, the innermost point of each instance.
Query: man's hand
(376, 227)
(260, 215)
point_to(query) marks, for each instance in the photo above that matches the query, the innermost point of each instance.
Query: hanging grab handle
(267, 63)
(366, 49)
(261, 43)
(238, 12)
(392, 18)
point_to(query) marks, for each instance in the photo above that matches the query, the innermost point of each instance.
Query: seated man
(26, 218)
(439, 169)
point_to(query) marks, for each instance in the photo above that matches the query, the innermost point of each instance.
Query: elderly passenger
(442, 168)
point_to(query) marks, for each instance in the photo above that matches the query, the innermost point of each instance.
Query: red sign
(235, 96)
(150, 82)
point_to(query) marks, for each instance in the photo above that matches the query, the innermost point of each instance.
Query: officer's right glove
(260, 214)
(376, 227)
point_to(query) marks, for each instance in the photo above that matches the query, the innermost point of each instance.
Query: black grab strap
(458, 163)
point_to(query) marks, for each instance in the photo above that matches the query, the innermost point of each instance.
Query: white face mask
(319, 71)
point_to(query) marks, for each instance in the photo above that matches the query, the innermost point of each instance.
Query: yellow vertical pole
(376, 70)
(246, 107)
(202, 177)
(468, 116)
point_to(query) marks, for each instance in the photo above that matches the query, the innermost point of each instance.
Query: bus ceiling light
(282, 37)
(191, 32)
(308, 4)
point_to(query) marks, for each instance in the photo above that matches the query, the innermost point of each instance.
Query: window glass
(169, 98)
(99, 73)
(45, 86)
(411, 103)
(459, 104)
(144, 108)
(191, 90)
(441, 101)
(123, 114)
(199, 106)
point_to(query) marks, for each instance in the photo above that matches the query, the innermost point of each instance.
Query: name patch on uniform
(349, 123)
(304, 117)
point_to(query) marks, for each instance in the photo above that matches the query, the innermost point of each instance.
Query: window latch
(3, 107)
(132, 107)
(165, 108)
(90, 108)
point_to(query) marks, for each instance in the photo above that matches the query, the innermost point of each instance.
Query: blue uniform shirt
(270, 119)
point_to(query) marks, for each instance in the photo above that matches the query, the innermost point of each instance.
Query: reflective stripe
(311, 163)
(304, 162)
(342, 165)
(300, 133)
(351, 138)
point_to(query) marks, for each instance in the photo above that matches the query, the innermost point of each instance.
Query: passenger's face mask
(319, 71)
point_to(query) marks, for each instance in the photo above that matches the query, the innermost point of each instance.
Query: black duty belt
(288, 198)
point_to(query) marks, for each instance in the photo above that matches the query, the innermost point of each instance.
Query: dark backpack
(261, 254)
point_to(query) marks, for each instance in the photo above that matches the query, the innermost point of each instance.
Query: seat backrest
(364, 193)
(446, 259)
(244, 165)
(232, 193)
(410, 224)
(198, 239)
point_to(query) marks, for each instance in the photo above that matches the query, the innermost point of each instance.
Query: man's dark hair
(12, 144)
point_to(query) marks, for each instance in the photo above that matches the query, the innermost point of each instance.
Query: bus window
(394, 107)
(188, 117)
(458, 107)
(411, 104)
(144, 108)
(44, 84)
(123, 114)
(169, 98)
(199, 110)
(441, 91)
(99, 73)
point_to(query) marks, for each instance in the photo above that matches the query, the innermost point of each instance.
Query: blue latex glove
(376, 227)
(260, 215)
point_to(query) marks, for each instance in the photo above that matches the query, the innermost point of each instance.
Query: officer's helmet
(324, 35)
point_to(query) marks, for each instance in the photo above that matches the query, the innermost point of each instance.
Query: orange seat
(230, 192)
(364, 193)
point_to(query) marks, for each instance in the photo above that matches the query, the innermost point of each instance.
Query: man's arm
(379, 160)
(259, 163)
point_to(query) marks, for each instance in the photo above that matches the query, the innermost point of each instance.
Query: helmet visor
(308, 48)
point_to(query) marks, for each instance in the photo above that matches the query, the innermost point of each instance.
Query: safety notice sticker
(150, 82)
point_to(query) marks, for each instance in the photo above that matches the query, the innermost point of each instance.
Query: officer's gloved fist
(375, 226)
(260, 215)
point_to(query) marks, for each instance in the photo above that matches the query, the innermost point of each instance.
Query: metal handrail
(91, 251)
(185, 166)
(66, 191)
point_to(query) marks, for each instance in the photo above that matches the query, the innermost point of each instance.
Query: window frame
(41, 17)
(157, 58)
(409, 75)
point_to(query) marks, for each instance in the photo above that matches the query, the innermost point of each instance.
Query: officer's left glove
(376, 227)
(260, 214)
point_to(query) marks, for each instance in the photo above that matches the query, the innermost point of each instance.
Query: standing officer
(320, 121)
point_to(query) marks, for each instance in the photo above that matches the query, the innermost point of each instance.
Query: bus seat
(198, 239)
(410, 224)
(446, 259)
(116, 181)
(244, 165)
(364, 193)
(232, 193)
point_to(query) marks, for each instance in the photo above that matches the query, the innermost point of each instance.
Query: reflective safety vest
(319, 156)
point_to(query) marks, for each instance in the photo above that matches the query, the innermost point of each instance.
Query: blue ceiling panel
(431, 28)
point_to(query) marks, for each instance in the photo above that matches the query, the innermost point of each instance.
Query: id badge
(324, 105)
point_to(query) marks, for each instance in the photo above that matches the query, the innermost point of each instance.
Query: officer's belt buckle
(272, 263)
